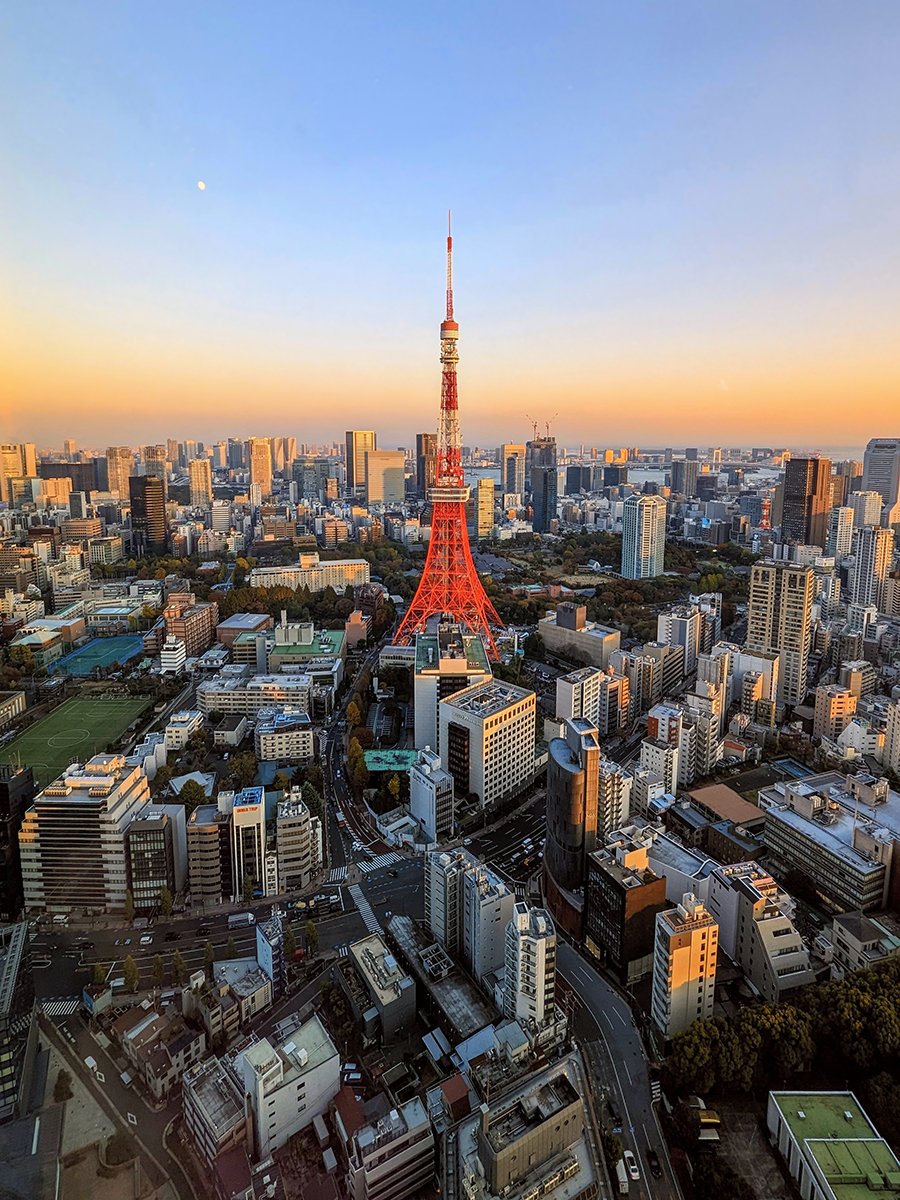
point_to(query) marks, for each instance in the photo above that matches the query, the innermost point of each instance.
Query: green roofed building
(390, 760)
(831, 1148)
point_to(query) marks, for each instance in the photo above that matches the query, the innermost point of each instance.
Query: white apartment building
(72, 840)
(431, 796)
(835, 706)
(662, 760)
(172, 656)
(394, 1157)
(891, 758)
(756, 929)
(682, 626)
(284, 735)
(487, 740)
(873, 552)
(601, 697)
(180, 727)
(529, 983)
(298, 841)
(286, 1085)
(338, 573)
(487, 910)
(445, 662)
(866, 506)
(239, 693)
(685, 953)
(643, 537)
(444, 874)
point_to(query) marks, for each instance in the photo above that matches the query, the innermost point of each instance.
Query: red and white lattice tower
(450, 584)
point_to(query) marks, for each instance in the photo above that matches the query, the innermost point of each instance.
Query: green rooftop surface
(390, 760)
(857, 1163)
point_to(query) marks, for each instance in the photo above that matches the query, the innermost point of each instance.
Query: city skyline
(697, 236)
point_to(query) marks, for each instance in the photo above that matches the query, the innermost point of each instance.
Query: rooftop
(380, 969)
(723, 803)
(488, 699)
(390, 760)
(450, 643)
(216, 1094)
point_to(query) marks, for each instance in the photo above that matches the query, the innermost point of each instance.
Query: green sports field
(75, 730)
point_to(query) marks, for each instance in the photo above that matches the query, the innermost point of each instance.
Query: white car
(631, 1164)
(147, 940)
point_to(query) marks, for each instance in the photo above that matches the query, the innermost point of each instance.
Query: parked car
(147, 939)
(631, 1164)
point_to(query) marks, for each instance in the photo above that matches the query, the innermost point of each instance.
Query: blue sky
(666, 214)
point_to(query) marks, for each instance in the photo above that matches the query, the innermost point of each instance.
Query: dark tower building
(544, 483)
(148, 514)
(16, 794)
(684, 476)
(807, 501)
(18, 1022)
(426, 461)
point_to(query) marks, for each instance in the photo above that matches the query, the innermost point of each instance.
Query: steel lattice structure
(450, 583)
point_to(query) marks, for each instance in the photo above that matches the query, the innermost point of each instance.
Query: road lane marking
(606, 1019)
(628, 1073)
(621, 1018)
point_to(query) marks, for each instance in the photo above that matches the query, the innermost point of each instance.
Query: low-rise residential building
(859, 942)
(393, 1158)
(286, 1084)
(285, 734)
(389, 990)
(180, 727)
(242, 693)
(431, 797)
(756, 929)
(213, 1106)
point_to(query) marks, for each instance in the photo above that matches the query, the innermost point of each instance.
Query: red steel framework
(450, 583)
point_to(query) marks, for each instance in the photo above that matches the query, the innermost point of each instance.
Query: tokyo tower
(450, 584)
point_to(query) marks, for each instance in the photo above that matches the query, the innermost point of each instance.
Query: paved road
(617, 1056)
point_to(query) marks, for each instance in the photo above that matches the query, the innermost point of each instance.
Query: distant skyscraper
(881, 473)
(684, 476)
(512, 468)
(866, 508)
(484, 508)
(261, 465)
(148, 514)
(426, 460)
(70, 449)
(236, 458)
(200, 480)
(544, 483)
(778, 620)
(384, 474)
(840, 532)
(358, 442)
(119, 465)
(807, 501)
(874, 548)
(155, 464)
(643, 537)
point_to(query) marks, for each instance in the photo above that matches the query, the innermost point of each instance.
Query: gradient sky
(675, 221)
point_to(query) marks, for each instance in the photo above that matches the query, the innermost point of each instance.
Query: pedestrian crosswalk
(337, 875)
(365, 909)
(383, 860)
(60, 1006)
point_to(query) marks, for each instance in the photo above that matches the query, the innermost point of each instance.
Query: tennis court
(100, 652)
(75, 730)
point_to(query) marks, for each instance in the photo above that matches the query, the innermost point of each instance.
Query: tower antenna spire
(450, 583)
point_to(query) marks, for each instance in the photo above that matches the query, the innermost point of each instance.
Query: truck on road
(238, 919)
(622, 1176)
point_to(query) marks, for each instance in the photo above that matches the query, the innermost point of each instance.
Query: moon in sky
(201, 185)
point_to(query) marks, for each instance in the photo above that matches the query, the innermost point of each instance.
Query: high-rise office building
(200, 480)
(119, 466)
(148, 514)
(447, 661)
(261, 465)
(866, 508)
(529, 982)
(881, 473)
(237, 459)
(512, 468)
(684, 475)
(16, 793)
(358, 442)
(643, 537)
(778, 620)
(807, 501)
(874, 549)
(384, 474)
(544, 483)
(572, 787)
(155, 464)
(684, 966)
(72, 841)
(426, 462)
(486, 737)
(484, 508)
(840, 532)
